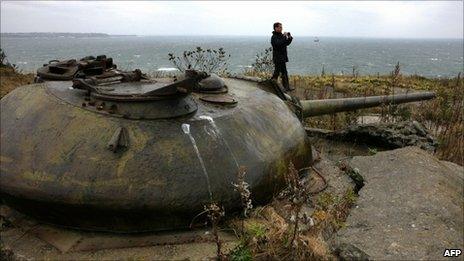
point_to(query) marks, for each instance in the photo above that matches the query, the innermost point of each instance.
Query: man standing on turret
(279, 42)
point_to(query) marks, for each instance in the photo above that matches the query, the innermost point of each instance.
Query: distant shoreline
(96, 35)
(76, 35)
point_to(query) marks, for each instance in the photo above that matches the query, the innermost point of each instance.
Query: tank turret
(121, 152)
(128, 154)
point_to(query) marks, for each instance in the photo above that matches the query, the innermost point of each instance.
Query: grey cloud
(426, 19)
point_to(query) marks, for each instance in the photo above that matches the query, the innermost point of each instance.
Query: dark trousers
(281, 68)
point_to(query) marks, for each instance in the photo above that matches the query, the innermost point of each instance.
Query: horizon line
(238, 35)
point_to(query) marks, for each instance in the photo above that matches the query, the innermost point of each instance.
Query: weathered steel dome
(123, 153)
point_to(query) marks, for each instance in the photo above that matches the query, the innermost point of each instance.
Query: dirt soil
(410, 208)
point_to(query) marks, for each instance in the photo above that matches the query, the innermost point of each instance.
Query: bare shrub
(263, 66)
(245, 194)
(396, 75)
(297, 193)
(355, 72)
(215, 213)
(4, 62)
(209, 60)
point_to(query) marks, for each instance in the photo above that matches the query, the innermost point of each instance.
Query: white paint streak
(218, 134)
(186, 130)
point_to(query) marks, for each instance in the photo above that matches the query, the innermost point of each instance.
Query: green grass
(241, 253)
(257, 230)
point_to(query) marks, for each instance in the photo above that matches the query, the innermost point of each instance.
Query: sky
(378, 19)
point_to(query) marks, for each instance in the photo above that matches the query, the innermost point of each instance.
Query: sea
(438, 58)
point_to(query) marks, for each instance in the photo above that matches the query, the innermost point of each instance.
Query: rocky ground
(382, 135)
(411, 207)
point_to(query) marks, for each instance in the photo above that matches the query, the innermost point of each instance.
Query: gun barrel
(329, 106)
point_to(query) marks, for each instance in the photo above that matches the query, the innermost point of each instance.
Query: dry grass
(10, 79)
(443, 116)
(269, 232)
(268, 235)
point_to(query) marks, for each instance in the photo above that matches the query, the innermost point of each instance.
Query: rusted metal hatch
(131, 95)
(213, 85)
(223, 99)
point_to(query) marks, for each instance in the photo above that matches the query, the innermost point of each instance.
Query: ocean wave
(167, 69)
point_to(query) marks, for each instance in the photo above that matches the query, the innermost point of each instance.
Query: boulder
(384, 135)
(410, 207)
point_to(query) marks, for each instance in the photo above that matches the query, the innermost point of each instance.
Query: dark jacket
(279, 47)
